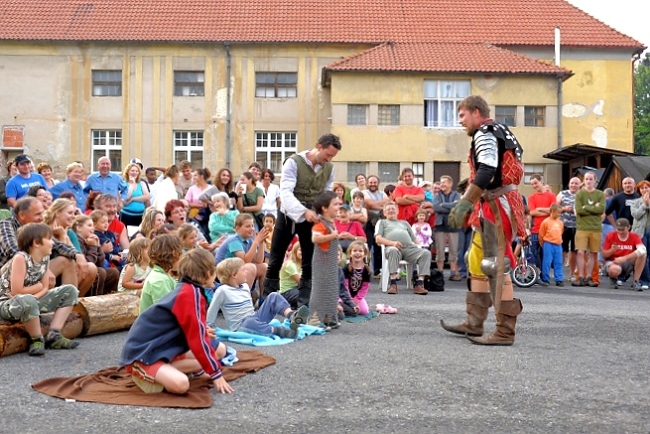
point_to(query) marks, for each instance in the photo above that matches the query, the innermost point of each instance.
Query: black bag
(435, 282)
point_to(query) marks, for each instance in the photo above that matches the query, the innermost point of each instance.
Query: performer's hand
(458, 213)
(311, 216)
(222, 385)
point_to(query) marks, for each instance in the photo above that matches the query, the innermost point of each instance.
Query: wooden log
(107, 313)
(15, 339)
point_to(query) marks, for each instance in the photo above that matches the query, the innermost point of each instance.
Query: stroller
(524, 275)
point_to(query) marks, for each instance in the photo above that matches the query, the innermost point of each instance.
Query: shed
(636, 167)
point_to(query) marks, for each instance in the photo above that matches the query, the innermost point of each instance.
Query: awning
(572, 152)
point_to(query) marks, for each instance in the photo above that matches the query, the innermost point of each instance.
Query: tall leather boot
(478, 304)
(506, 321)
(271, 286)
(304, 292)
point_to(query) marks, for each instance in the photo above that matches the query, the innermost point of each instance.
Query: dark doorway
(449, 168)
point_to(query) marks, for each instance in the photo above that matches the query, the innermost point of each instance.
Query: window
(534, 116)
(188, 145)
(189, 83)
(107, 83)
(505, 114)
(418, 173)
(531, 169)
(357, 114)
(441, 100)
(276, 84)
(271, 149)
(107, 143)
(388, 115)
(355, 168)
(388, 172)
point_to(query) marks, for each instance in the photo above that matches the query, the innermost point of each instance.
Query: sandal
(455, 278)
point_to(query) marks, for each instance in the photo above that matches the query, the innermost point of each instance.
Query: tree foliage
(642, 107)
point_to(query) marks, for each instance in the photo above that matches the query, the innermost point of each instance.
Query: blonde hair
(186, 229)
(228, 267)
(148, 220)
(80, 220)
(57, 206)
(197, 265)
(137, 249)
(366, 253)
(97, 215)
(294, 254)
(125, 172)
(72, 166)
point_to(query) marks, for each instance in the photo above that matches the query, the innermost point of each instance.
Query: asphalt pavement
(579, 365)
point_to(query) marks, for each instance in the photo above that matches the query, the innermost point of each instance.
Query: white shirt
(270, 204)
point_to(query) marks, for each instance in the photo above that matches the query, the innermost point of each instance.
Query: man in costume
(304, 175)
(496, 214)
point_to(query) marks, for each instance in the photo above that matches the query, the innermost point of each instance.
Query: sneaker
(378, 276)
(284, 332)
(620, 282)
(60, 342)
(402, 273)
(637, 286)
(579, 281)
(559, 283)
(392, 288)
(299, 317)
(591, 283)
(37, 348)
(419, 290)
(613, 282)
(541, 282)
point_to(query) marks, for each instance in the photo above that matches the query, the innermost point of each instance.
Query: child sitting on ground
(137, 267)
(422, 229)
(107, 240)
(171, 341)
(222, 219)
(290, 274)
(269, 224)
(164, 253)
(189, 236)
(233, 298)
(25, 293)
(357, 277)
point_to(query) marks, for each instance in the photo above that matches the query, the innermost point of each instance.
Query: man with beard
(374, 200)
(496, 212)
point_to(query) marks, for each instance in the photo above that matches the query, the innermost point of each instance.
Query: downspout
(559, 89)
(228, 94)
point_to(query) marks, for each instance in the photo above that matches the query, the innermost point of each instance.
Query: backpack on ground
(435, 281)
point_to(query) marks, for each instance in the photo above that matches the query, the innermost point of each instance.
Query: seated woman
(399, 239)
(151, 221)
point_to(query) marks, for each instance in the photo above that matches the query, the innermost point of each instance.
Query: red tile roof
(499, 22)
(445, 57)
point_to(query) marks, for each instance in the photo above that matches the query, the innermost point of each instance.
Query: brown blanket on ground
(114, 385)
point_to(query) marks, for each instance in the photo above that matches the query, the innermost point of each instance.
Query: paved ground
(580, 365)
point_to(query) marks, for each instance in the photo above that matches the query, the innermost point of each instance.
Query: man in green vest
(304, 175)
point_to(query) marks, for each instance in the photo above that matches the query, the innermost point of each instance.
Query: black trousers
(375, 249)
(284, 231)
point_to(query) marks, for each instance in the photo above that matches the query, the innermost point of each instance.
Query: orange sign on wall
(13, 136)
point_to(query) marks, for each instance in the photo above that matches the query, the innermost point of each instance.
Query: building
(225, 83)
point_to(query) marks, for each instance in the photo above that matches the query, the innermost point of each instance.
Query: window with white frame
(189, 83)
(418, 173)
(505, 114)
(532, 169)
(107, 83)
(276, 84)
(355, 168)
(441, 99)
(188, 145)
(357, 114)
(388, 114)
(106, 143)
(388, 172)
(534, 116)
(272, 148)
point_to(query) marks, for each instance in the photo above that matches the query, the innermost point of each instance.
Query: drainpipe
(228, 93)
(559, 89)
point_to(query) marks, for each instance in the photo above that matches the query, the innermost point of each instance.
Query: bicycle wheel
(524, 276)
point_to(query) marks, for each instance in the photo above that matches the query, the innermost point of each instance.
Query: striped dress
(325, 276)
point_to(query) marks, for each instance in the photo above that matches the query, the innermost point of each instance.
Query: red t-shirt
(117, 227)
(540, 200)
(622, 247)
(407, 212)
(352, 227)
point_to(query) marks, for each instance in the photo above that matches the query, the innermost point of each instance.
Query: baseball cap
(22, 158)
(622, 223)
(345, 206)
(137, 161)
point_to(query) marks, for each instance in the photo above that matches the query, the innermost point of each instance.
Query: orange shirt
(321, 229)
(551, 230)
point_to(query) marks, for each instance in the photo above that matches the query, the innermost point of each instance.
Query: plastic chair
(385, 274)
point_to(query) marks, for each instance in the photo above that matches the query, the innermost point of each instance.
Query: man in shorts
(589, 207)
(625, 255)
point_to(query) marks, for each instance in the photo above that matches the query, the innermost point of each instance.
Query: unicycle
(524, 275)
